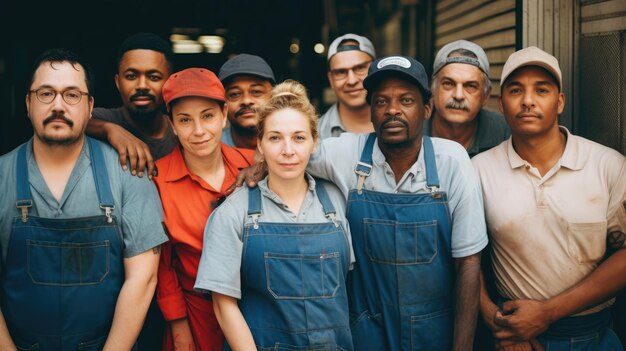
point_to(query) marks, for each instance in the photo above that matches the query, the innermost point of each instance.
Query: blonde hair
(289, 94)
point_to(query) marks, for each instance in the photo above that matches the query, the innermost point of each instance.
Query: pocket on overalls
(400, 243)
(303, 276)
(67, 264)
(21, 346)
(586, 242)
(93, 345)
(432, 331)
(367, 332)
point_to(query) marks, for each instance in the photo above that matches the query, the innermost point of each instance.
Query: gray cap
(443, 56)
(364, 45)
(246, 64)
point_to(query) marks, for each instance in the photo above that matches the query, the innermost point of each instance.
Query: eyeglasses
(359, 70)
(47, 95)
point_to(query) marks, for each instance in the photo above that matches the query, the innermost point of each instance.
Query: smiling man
(554, 206)
(139, 129)
(349, 57)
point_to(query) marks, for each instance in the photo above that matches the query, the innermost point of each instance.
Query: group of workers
(360, 230)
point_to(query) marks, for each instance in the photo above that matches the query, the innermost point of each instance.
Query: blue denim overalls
(402, 286)
(293, 281)
(62, 276)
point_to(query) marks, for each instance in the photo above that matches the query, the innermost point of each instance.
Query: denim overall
(293, 292)
(402, 286)
(62, 276)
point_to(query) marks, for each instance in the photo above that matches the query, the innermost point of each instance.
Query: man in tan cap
(554, 206)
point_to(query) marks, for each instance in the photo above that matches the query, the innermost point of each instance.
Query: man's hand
(250, 175)
(181, 334)
(129, 146)
(522, 320)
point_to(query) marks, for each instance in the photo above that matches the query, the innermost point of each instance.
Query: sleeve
(220, 263)
(142, 215)
(104, 115)
(169, 294)
(616, 215)
(469, 231)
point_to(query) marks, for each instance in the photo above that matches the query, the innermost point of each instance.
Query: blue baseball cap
(397, 66)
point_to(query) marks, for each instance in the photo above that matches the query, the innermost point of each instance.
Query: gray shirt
(220, 264)
(491, 131)
(336, 158)
(158, 147)
(137, 205)
(330, 124)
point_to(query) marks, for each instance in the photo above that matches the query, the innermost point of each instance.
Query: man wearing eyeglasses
(349, 58)
(80, 238)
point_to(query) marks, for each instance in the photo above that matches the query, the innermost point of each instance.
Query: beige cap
(531, 56)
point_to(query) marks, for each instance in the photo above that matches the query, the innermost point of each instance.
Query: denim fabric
(293, 282)
(597, 341)
(62, 276)
(402, 286)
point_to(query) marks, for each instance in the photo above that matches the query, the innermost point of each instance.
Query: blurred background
(587, 36)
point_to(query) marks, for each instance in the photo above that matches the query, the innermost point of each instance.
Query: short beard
(144, 116)
(59, 142)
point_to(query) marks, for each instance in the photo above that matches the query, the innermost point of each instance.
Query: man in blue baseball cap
(416, 217)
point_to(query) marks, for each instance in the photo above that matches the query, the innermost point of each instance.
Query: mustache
(244, 110)
(58, 116)
(528, 112)
(142, 93)
(458, 104)
(392, 118)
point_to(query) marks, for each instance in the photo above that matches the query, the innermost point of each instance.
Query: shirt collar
(177, 169)
(335, 120)
(379, 159)
(569, 159)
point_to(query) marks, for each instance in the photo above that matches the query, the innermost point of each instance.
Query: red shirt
(187, 203)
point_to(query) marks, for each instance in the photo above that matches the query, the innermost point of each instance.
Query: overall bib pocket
(303, 276)
(67, 264)
(411, 242)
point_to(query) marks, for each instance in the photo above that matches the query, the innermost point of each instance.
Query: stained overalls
(62, 277)
(293, 276)
(402, 286)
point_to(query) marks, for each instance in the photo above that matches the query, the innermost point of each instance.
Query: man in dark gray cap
(248, 81)
(461, 88)
(417, 225)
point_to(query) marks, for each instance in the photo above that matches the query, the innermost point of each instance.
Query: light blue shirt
(137, 205)
(336, 158)
(330, 124)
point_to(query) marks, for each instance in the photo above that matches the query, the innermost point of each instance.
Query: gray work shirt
(137, 205)
(330, 124)
(220, 264)
(491, 131)
(158, 147)
(336, 158)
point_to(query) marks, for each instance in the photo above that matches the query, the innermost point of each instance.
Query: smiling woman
(192, 181)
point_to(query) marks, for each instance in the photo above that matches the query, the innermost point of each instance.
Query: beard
(144, 115)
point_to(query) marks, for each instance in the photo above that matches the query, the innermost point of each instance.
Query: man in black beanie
(139, 130)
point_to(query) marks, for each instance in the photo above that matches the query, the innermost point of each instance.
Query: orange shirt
(187, 203)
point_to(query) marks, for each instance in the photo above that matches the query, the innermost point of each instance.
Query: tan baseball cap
(531, 56)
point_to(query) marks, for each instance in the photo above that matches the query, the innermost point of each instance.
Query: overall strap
(327, 205)
(101, 179)
(24, 201)
(432, 178)
(364, 167)
(254, 205)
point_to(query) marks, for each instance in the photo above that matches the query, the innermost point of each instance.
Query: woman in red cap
(192, 182)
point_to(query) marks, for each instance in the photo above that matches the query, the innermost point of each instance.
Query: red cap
(193, 82)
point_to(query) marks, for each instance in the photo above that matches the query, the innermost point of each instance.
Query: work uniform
(187, 204)
(405, 238)
(62, 275)
(288, 270)
(563, 217)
